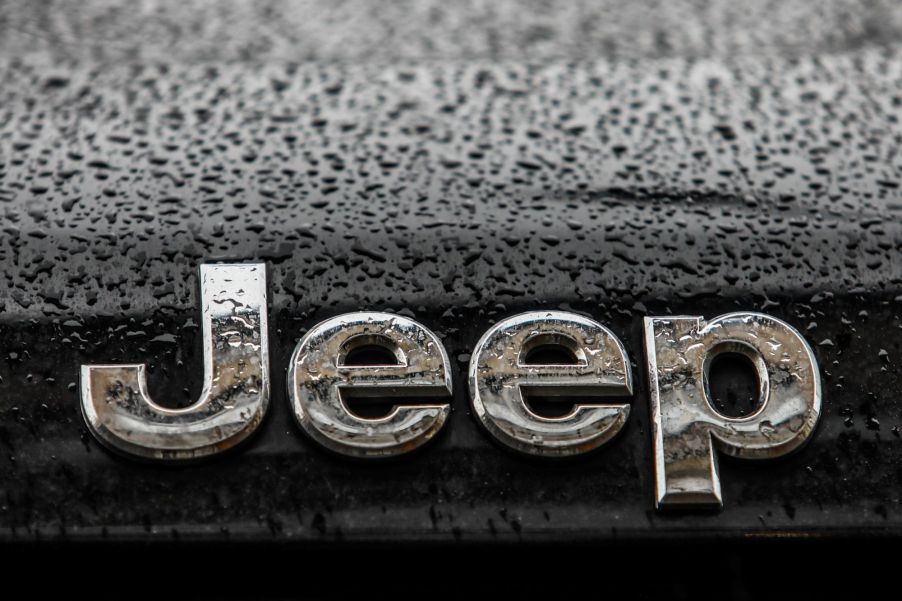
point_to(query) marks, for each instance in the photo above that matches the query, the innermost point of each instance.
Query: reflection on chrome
(235, 396)
(319, 380)
(685, 426)
(499, 376)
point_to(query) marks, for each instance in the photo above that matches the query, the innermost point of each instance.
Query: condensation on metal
(235, 395)
(499, 376)
(319, 380)
(685, 426)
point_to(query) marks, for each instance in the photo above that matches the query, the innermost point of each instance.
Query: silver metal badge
(121, 414)
(499, 375)
(687, 429)
(319, 380)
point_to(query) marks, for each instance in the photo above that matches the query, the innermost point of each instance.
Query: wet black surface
(738, 163)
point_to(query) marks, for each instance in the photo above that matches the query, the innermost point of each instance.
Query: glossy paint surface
(616, 160)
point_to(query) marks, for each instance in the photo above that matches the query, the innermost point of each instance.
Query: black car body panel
(617, 161)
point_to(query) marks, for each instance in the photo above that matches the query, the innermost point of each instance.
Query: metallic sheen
(685, 426)
(235, 396)
(499, 375)
(318, 381)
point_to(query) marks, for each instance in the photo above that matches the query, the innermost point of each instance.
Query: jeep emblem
(686, 429)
